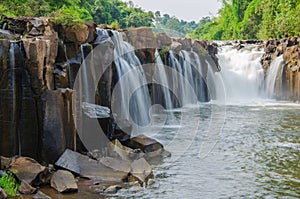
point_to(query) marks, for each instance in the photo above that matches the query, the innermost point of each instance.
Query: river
(255, 153)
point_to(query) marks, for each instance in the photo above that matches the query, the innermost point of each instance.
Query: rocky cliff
(39, 62)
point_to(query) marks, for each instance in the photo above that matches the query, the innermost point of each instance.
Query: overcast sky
(188, 10)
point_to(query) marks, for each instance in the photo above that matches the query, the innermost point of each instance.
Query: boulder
(63, 181)
(26, 169)
(141, 37)
(112, 189)
(89, 168)
(116, 164)
(141, 170)
(124, 152)
(146, 144)
(26, 188)
(41, 195)
(3, 195)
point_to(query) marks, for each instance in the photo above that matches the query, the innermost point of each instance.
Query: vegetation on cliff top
(252, 19)
(114, 12)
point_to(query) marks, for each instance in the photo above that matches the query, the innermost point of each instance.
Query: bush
(9, 184)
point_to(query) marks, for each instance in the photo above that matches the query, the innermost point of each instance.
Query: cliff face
(39, 62)
(287, 86)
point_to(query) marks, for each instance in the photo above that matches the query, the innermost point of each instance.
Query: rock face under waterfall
(37, 75)
(287, 86)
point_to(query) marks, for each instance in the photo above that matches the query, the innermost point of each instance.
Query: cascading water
(15, 62)
(160, 76)
(242, 74)
(131, 95)
(274, 73)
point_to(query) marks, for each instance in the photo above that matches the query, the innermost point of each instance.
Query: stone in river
(141, 170)
(63, 181)
(89, 168)
(144, 143)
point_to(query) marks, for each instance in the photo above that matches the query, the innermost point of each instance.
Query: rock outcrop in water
(287, 87)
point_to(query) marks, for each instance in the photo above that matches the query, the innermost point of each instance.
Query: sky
(189, 10)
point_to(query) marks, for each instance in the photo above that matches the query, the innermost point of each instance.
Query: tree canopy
(252, 19)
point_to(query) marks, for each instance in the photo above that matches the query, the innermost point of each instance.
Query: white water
(274, 73)
(160, 76)
(241, 74)
(131, 100)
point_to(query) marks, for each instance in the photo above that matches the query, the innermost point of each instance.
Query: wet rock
(116, 164)
(89, 168)
(141, 170)
(124, 152)
(41, 195)
(63, 181)
(144, 143)
(59, 128)
(26, 188)
(112, 189)
(3, 195)
(95, 111)
(26, 169)
(4, 162)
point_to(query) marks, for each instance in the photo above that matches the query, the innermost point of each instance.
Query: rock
(6, 34)
(144, 143)
(141, 170)
(35, 32)
(4, 162)
(78, 35)
(59, 128)
(124, 152)
(91, 31)
(163, 40)
(116, 164)
(185, 42)
(3, 195)
(26, 188)
(176, 47)
(26, 169)
(112, 189)
(41, 195)
(141, 38)
(63, 181)
(89, 168)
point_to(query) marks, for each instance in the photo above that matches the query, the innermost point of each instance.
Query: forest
(117, 13)
(252, 19)
(237, 19)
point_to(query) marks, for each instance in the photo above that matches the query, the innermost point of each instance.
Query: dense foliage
(252, 19)
(70, 12)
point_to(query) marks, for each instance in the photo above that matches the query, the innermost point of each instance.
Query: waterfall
(274, 73)
(4, 26)
(15, 62)
(242, 74)
(160, 76)
(131, 95)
